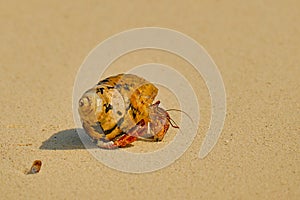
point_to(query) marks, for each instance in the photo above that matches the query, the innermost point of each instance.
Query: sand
(256, 46)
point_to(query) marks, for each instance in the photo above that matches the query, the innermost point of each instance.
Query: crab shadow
(63, 140)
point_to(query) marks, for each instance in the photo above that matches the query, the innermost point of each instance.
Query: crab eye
(83, 101)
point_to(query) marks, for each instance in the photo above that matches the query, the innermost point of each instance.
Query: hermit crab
(119, 109)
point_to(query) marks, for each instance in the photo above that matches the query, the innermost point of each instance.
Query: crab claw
(159, 122)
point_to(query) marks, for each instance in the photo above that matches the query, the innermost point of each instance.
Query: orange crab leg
(132, 135)
(125, 140)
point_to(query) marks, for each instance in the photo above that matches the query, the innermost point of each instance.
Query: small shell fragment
(36, 167)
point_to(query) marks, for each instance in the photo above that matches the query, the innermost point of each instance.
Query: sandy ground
(256, 46)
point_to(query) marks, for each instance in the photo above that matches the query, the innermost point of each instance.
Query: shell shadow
(69, 139)
(63, 140)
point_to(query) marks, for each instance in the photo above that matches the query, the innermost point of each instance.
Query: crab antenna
(172, 122)
(181, 112)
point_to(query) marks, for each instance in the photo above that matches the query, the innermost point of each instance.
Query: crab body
(119, 110)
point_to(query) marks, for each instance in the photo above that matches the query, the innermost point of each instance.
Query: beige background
(256, 46)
